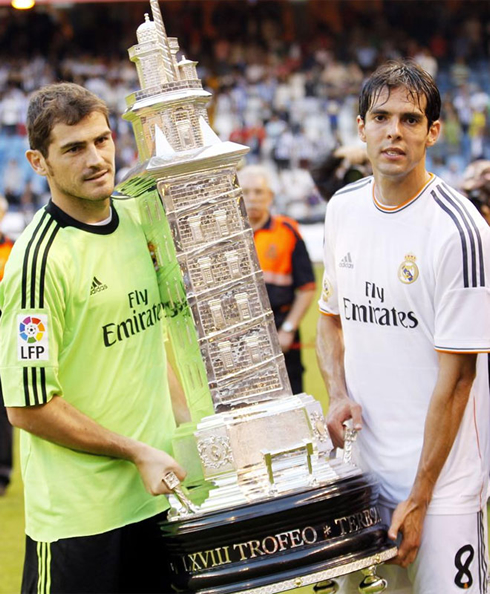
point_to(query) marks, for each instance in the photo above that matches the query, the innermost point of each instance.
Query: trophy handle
(349, 439)
(271, 456)
(172, 482)
(326, 587)
(372, 583)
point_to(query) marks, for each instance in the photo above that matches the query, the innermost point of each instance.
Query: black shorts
(129, 559)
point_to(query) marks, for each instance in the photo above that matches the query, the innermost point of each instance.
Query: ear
(434, 132)
(360, 128)
(37, 162)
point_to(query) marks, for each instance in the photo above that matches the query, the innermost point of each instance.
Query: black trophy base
(281, 543)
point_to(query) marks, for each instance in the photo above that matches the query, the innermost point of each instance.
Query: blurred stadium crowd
(285, 76)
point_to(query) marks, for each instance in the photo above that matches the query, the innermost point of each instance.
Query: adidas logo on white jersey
(346, 261)
(97, 286)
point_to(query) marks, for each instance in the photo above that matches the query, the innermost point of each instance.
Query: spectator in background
(344, 165)
(476, 185)
(13, 182)
(288, 273)
(5, 427)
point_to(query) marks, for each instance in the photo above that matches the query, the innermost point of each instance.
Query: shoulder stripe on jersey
(355, 186)
(461, 235)
(34, 263)
(472, 254)
(44, 264)
(457, 210)
(31, 271)
(34, 274)
(460, 201)
(26, 261)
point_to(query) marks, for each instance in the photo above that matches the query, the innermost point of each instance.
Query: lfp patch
(32, 341)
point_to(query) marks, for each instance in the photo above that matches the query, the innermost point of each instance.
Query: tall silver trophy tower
(268, 507)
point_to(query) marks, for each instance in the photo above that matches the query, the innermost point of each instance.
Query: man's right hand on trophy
(153, 465)
(340, 411)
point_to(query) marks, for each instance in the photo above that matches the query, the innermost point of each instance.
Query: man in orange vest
(6, 245)
(288, 273)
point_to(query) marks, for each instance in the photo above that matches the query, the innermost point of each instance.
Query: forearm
(61, 423)
(330, 355)
(446, 410)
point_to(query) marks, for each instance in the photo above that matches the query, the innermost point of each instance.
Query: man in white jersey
(406, 310)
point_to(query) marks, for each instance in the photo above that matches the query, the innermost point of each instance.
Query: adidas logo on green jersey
(97, 286)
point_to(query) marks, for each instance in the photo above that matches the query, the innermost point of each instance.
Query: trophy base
(281, 543)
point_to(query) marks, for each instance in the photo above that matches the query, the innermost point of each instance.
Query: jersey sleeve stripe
(464, 218)
(44, 264)
(25, 374)
(34, 262)
(464, 247)
(43, 384)
(26, 261)
(34, 384)
(463, 351)
(471, 220)
(456, 210)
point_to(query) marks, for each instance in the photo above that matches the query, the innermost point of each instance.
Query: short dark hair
(402, 73)
(67, 103)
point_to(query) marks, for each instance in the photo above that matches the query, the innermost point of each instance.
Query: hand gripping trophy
(268, 509)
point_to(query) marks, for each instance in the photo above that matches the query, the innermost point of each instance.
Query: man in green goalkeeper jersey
(83, 367)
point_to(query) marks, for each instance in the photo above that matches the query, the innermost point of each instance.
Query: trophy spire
(163, 41)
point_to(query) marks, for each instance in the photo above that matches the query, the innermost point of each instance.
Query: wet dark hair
(67, 103)
(402, 73)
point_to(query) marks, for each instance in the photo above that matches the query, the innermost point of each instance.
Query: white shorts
(452, 559)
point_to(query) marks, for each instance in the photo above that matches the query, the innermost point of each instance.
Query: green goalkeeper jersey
(82, 319)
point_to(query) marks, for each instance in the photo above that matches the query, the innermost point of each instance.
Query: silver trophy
(268, 508)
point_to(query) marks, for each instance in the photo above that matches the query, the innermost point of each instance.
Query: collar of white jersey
(407, 203)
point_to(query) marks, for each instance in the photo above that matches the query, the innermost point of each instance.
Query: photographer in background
(343, 165)
(476, 185)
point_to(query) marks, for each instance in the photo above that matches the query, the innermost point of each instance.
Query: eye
(103, 139)
(379, 117)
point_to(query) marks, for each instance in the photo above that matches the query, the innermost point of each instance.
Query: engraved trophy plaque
(267, 509)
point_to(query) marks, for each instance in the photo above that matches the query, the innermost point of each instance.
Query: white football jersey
(408, 282)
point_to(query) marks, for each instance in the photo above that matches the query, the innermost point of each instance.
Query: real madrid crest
(327, 290)
(408, 272)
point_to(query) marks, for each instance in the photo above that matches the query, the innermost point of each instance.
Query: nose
(94, 156)
(394, 130)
